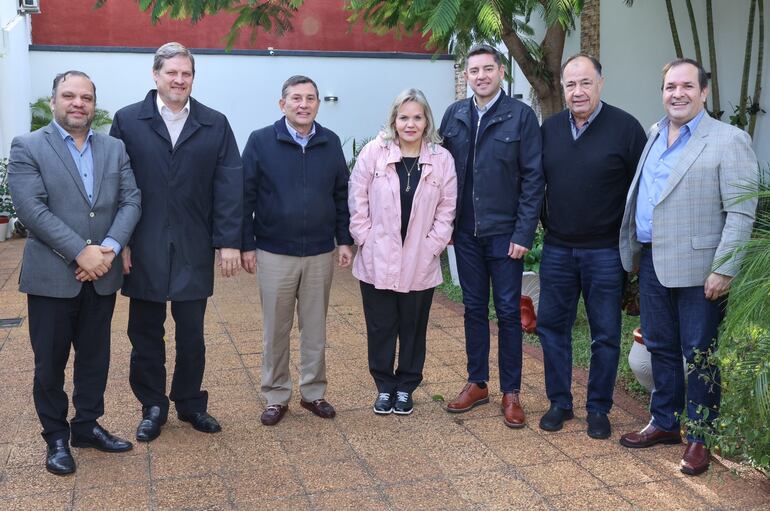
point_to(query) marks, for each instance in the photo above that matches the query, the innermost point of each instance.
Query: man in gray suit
(680, 227)
(75, 191)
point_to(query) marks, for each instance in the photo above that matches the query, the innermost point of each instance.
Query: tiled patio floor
(429, 460)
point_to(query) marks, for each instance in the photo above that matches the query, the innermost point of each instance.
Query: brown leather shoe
(273, 414)
(695, 460)
(471, 395)
(513, 413)
(650, 436)
(320, 407)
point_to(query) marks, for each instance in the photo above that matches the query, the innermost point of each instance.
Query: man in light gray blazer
(680, 227)
(75, 191)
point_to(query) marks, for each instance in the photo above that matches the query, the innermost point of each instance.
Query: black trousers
(389, 316)
(148, 355)
(56, 325)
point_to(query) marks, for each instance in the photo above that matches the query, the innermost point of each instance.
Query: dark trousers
(390, 315)
(479, 261)
(148, 356)
(55, 325)
(565, 273)
(675, 322)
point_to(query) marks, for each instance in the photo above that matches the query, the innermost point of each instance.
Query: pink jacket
(375, 217)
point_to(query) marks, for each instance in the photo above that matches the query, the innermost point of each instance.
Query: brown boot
(695, 460)
(471, 395)
(513, 413)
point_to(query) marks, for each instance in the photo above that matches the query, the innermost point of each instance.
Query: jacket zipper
(473, 169)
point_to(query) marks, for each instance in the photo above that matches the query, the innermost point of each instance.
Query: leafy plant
(534, 256)
(6, 204)
(357, 146)
(743, 356)
(42, 115)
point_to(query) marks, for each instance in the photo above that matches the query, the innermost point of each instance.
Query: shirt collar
(590, 117)
(692, 125)
(162, 105)
(482, 110)
(296, 135)
(65, 135)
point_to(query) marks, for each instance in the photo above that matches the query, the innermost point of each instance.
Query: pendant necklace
(409, 173)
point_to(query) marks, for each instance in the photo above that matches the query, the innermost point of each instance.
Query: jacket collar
(282, 134)
(394, 152)
(503, 109)
(199, 116)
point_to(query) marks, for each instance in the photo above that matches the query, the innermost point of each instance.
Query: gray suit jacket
(697, 223)
(51, 201)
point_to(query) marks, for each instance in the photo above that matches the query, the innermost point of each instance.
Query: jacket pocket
(706, 241)
(506, 144)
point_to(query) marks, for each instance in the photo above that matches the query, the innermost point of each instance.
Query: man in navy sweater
(295, 205)
(590, 152)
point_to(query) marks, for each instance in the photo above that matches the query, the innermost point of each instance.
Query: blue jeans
(479, 261)
(675, 322)
(564, 274)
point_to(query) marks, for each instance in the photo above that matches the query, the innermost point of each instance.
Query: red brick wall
(319, 25)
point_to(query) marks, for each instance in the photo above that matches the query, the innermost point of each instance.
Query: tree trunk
(694, 28)
(717, 112)
(550, 105)
(590, 17)
(542, 76)
(461, 85)
(674, 31)
(755, 108)
(740, 118)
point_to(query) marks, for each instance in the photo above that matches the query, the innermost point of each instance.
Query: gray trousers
(286, 282)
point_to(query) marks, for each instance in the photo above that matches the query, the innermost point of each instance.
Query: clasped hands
(94, 262)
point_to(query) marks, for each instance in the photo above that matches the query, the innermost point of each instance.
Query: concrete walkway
(429, 460)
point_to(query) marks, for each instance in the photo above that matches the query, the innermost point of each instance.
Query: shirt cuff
(111, 243)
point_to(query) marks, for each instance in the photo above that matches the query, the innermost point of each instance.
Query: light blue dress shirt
(298, 137)
(576, 132)
(84, 161)
(661, 159)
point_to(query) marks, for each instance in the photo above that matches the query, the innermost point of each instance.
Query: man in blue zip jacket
(295, 206)
(496, 143)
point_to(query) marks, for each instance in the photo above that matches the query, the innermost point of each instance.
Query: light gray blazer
(51, 201)
(697, 223)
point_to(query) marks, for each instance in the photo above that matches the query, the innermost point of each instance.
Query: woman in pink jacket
(402, 198)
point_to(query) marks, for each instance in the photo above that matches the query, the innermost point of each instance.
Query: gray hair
(297, 80)
(61, 77)
(169, 51)
(416, 95)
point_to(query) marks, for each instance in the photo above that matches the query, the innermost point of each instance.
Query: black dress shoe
(59, 459)
(201, 421)
(100, 438)
(149, 428)
(598, 425)
(554, 418)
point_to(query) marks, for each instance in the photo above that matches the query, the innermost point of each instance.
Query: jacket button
(88, 242)
(91, 214)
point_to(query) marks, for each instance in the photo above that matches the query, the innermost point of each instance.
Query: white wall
(247, 88)
(636, 43)
(14, 74)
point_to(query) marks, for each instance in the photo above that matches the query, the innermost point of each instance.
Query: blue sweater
(295, 199)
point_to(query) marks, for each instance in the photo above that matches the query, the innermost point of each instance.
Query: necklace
(409, 173)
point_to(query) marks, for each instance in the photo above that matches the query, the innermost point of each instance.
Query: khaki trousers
(286, 282)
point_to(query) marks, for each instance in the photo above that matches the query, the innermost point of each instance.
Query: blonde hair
(416, 95)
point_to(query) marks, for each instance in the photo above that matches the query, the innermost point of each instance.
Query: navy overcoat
(192, 200)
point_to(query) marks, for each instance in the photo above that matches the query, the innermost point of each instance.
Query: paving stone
(361, 461)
